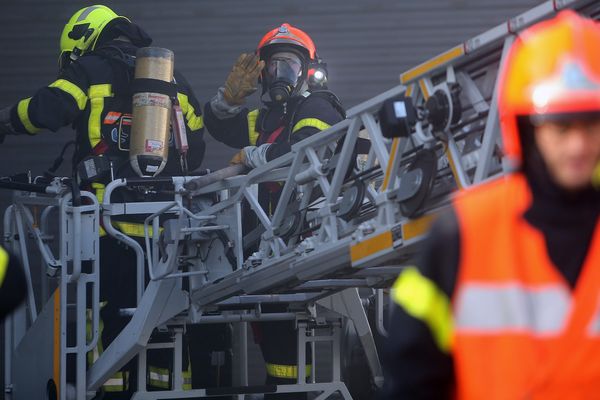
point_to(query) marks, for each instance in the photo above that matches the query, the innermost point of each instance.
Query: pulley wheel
(426, 161)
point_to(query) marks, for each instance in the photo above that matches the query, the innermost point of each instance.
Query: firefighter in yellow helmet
(93, 94)
(505, 303)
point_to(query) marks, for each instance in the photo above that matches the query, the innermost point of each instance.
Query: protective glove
(6, 127)
(238, 158)
(251, 156)
(243, 79)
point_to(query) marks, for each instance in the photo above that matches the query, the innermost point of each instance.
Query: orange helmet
(288, 35)
(552, 69)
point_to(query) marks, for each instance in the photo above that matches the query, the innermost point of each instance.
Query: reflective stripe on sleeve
(3, 264)
(312, 122)
(493, 308)
(422, 299)
(23, 113)
(73, 90)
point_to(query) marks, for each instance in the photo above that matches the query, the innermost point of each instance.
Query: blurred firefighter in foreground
(13, 287)
(295, 106)
(93, 93)
(506, 303)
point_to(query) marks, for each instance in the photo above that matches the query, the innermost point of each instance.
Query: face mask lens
(284, 66)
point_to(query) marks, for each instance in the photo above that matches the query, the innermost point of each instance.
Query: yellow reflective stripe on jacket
(312, 122)
(159, 377)
(133, 228)
(97, 93)
(118, 383)
(194, 121)
(23, 113)
(252, 133)
(285, 371)
(73, 90)
(3, 264)
(187, 379)
(94, 355)
(423, 300)
(128, 228)
(99, 189)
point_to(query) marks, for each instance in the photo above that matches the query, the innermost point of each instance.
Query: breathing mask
(283, 72)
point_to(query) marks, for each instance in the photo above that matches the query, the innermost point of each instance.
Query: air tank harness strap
(148, 85)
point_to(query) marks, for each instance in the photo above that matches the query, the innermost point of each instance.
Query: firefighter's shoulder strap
(327, 95)
(290, 118)
(120, 60)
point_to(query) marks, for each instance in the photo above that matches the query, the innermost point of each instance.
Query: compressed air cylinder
(149, 143)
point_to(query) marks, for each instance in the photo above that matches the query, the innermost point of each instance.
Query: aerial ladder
(356, 203)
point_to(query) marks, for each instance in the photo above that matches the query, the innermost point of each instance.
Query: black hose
(26, 187)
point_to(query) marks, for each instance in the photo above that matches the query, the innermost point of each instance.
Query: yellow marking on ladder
(424, 90)
(388, 169)
(417, 227)
(452, 166)
(431, 64)
(371, 246)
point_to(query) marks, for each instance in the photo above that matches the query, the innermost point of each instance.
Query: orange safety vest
(520, 331)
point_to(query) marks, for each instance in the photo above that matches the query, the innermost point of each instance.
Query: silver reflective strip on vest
(487, 308)
(594, 326)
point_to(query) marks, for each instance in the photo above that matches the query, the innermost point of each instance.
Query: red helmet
(287, 35)
(552, 69)
(287, 38)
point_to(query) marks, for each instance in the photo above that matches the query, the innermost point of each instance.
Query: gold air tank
(149, 146)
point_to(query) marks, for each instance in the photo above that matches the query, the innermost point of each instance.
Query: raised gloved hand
(243, 79)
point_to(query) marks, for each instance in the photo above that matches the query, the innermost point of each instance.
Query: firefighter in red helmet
(295, 105)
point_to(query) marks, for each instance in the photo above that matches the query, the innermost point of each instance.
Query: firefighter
(295, 105)
(505, 304)
(93, 93)
(13, 286)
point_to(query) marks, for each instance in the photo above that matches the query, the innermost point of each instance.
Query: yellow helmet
(82, 31)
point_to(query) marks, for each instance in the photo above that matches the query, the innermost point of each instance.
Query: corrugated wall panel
(365, 43)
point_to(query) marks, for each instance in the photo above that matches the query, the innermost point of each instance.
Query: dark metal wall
(367, 44)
